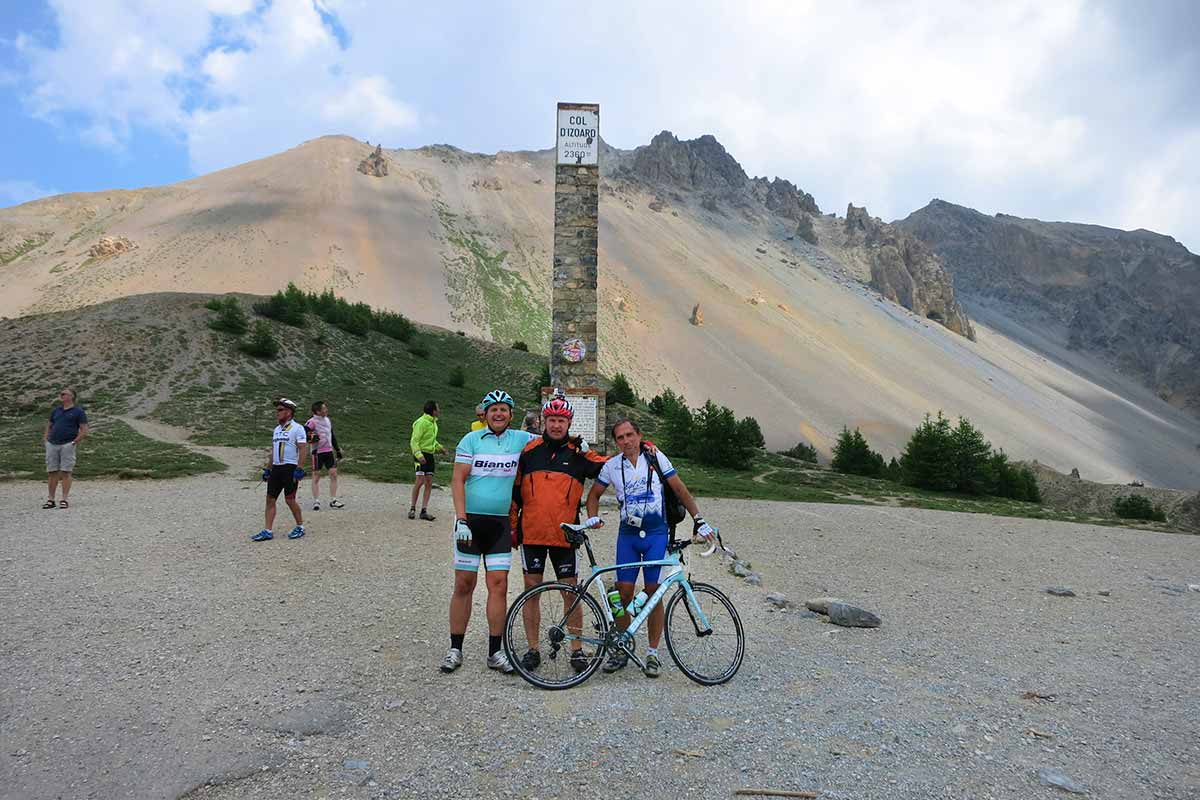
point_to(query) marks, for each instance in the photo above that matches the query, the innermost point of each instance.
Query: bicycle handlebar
(577, 535)
(717, 543)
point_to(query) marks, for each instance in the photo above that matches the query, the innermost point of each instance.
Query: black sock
(493, 645)
(456, 640)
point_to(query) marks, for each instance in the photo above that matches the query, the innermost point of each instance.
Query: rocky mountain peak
(700, 164)
(1128, 297)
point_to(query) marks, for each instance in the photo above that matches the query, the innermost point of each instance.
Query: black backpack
(672, 506)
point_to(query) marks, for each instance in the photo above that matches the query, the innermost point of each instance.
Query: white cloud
(1061, 110)
(13, 193)
(369, 102)
(232, 84)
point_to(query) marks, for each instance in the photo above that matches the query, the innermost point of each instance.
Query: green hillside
(156, 357)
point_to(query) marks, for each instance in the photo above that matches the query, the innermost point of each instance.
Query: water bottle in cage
(614, 602)
(638, 603)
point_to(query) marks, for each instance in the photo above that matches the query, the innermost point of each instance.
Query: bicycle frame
(703, 627)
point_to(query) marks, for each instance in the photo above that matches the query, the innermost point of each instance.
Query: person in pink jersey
(325, 454)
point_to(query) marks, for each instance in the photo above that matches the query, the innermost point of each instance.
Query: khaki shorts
(60, 457)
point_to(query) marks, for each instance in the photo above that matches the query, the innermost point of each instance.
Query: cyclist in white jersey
(289, 449)
(639, 477)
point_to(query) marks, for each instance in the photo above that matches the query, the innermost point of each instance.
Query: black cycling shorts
(428, 467)
(282, 480)
(533, 560)
(324, 461)
(491, 543)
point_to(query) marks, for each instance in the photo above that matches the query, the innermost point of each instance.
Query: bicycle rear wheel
(709, 656)
(557, 635)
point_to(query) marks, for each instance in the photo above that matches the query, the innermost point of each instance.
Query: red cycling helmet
(558, 407)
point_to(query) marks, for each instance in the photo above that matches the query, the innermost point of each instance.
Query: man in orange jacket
(546, 493)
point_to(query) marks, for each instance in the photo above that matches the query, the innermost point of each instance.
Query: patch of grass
(112, 450)
(503, 300)
(374, 389)
(14, 251)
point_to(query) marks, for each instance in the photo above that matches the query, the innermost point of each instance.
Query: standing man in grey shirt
(66, 427)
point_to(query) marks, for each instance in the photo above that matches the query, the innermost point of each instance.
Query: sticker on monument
(574, 351)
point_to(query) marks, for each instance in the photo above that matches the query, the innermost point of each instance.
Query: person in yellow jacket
(424, 446)
(479, 423)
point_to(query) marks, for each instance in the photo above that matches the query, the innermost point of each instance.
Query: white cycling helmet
(283, 401)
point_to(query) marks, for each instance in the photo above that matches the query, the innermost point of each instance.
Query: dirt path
(762, 476)
(159, 653)
(236, 459)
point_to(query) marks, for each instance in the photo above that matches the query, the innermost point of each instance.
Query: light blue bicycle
(703, 630)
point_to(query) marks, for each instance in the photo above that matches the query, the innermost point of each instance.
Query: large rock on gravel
(849, 616)
(311, 718)
(1060, 780)
(821, 604)
(777, 599)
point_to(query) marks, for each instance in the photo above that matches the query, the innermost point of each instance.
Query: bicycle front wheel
(568, 629)
(709, 655)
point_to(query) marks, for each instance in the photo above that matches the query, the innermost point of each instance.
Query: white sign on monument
(578, 134)
(584, 423)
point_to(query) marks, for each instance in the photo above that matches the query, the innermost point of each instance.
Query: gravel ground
(147, 649)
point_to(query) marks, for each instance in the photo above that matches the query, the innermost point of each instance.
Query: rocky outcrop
(374, 164)
(1129, 297)
(110, 246)
(697, 316)
(783, 198)
(804, 229)
(906, 271)
(704, 166)
(696, 165)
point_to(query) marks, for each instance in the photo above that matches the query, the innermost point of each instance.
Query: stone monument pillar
(573, 342)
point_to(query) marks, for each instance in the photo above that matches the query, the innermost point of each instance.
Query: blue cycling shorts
(631, 546)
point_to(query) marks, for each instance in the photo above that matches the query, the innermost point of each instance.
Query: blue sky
(1075, 110)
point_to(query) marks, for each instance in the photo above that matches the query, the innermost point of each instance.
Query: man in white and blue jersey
(638, 477)
(485, 464)
(289, 449)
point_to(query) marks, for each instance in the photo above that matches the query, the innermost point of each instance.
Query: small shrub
(420, 351)
(286, 307)
(543, 379)
(261, 343)
(749, 431)
(928, 460)
(396, 326)
(230, 316)
(677, 424)
(893, 472)
(1033, 493)
(803, 451)
(853, 456)
(519, 345)
(461, 333)
(457, 377)
(1136, 506)
(971, 454)
(621, 392)
(716, 440)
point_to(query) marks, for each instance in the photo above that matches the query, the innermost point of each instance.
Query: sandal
(49, 504)
(62, 504)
